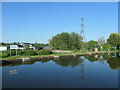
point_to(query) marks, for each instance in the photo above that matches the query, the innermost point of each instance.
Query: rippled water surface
(95, 71)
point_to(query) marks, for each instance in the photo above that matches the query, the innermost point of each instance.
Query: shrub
(45, 52)
(28, 52)
(25, 52)
(21, 52)
(106, 46)
(5, 54)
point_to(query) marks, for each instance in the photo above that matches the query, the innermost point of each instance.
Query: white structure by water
(3, 48)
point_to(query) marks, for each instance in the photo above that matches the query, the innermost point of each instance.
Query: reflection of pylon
(82, 69)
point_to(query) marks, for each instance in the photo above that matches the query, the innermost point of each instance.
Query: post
(101, 48)
(16, 52)
(10, 52)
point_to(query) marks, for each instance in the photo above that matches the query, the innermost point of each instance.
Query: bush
(25, 52)
(21, 52)
(106, 46)
(5, 54)
(45, 52)
(28, 52)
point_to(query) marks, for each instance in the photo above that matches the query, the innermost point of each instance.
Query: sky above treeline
(40, 21)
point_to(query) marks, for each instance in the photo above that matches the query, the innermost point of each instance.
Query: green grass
(56, 54)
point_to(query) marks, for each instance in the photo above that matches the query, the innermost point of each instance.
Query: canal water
(90, 71)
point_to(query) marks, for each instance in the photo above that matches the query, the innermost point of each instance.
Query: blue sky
(39, 21)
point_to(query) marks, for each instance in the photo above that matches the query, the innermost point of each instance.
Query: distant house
(95, 49)
(3, 48)
(22, 46)
(27, 45)
(31, 46)
(48, 48)
(16, 47)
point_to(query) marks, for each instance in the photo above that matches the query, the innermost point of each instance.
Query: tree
(39, 45)
(92, 44)
(54, 42)
(65, 41)
(60, 41)
(101, 41)
(75, 40)
(114, 39)
(106, 46)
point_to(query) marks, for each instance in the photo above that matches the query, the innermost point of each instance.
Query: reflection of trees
(106, 56)
(44, 61)
(91, 58)
(68, 61)
(101, 60)
(94, 58)
(114, 62)
(112, 59)
(18, 63)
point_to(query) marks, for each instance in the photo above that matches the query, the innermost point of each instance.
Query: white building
(3, 48)
(31, 46)
(16, 47)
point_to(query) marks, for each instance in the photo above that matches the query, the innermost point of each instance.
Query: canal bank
(25, 59)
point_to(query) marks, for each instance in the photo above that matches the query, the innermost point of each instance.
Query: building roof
(19, 45)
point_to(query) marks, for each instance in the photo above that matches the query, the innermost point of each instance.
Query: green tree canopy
(106, 46)
(66, 41)
(114, 39)
(92, 44)
(75, 40)
(54, 42)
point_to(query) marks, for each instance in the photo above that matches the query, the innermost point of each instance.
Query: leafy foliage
(44, 52)
(25, 52)
(106, 46)
(38, 45)
(92, 44)
(28, 52)
(75, 41)
(65, 41)
(114, 39)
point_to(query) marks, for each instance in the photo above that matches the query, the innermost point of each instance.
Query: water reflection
(69, 71)
(112, 59)
(101, 60)
(68, 61)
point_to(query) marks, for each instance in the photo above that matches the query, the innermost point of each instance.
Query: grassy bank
(58, 54)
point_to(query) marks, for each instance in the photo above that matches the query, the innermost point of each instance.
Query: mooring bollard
(56, 56)
(25, 59)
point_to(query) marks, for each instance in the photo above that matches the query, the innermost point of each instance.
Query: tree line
(74, 41)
